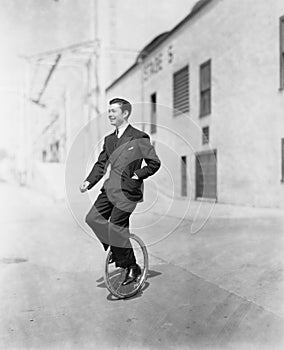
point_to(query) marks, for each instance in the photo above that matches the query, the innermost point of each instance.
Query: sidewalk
(185, 207)
(238, 249)
(218, 288)
(234, 250)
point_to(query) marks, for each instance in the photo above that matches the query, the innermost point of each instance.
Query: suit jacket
(125, 158)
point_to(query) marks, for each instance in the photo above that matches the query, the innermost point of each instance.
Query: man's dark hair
(124, 105)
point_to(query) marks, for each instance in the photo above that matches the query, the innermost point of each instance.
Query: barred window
(205, 88)
(282, 52)
(181, 91)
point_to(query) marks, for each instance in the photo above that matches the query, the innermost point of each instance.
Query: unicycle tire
(114, 276)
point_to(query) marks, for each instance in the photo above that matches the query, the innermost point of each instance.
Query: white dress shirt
(120, 130)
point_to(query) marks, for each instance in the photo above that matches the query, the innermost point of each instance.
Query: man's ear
(125, 114)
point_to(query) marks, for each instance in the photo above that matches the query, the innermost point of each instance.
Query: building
(211, 94)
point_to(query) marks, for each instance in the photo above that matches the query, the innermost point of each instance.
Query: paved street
(221, 288)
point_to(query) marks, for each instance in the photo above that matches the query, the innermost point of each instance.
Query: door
(183, 176)
(206, 175)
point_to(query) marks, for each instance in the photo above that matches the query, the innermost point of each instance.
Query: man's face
(116, 116)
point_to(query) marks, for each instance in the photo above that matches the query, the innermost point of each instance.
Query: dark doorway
(183, 176)
(206, 175)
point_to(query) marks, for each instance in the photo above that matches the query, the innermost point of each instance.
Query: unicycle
(114, 276)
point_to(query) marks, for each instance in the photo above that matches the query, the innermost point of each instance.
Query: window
(282, 53)
(205, 135)
(54, 152)
(181, 91)
(153, 113)
(44, 156)
(282, 159)
(183, 176)
(205, 88)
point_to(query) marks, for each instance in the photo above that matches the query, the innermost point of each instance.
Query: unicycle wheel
(114, 276)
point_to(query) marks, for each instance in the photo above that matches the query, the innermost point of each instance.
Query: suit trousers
(110, 222)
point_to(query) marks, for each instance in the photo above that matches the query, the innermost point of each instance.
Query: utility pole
(93, 73)
(113, 37)
(97, 59)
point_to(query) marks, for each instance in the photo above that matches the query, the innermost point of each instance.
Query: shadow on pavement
(151, 274)
(110, 297)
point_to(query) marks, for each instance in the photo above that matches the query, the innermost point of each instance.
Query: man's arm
(99, 168)
(150, 156)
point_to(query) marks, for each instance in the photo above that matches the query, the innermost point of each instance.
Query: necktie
(115, 138)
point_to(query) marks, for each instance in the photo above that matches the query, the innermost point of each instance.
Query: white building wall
(241, 37)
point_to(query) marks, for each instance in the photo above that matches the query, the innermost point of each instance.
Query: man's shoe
(132, 274)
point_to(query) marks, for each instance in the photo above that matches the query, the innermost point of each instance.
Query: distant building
(212, 93)
(60, 114)
(61, 104)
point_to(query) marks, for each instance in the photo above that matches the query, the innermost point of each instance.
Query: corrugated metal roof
(149, 48)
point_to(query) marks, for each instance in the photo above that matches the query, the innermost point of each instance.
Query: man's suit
(109, 216)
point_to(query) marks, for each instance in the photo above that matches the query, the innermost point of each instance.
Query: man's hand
(84, 186)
